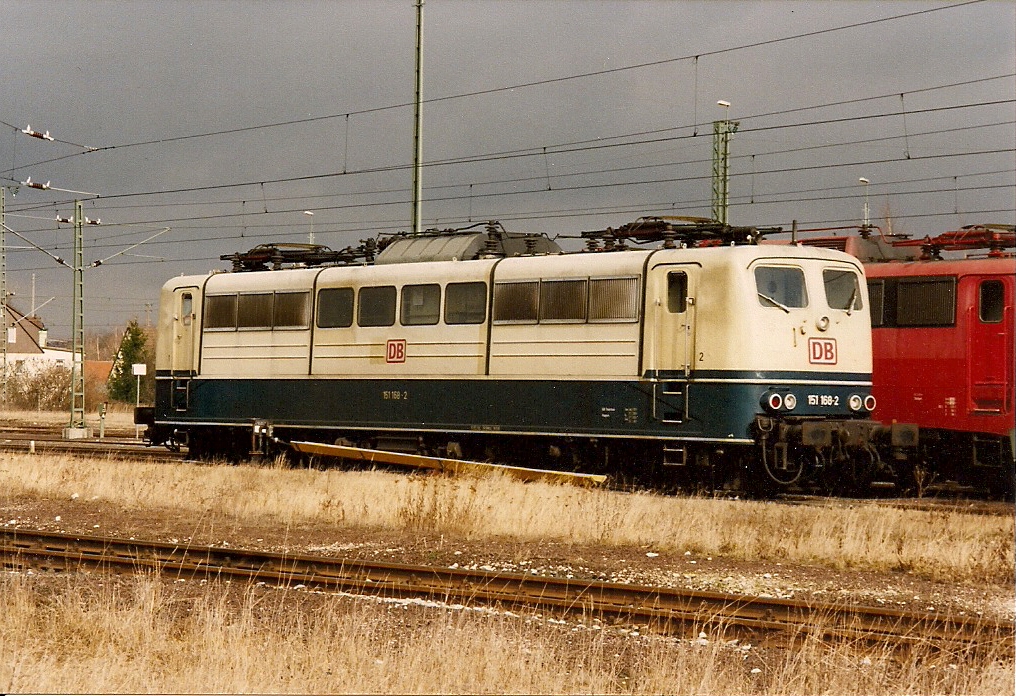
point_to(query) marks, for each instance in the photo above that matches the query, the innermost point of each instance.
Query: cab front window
(842, 289)
(781, 286)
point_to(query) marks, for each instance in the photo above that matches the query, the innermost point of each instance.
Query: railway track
(106, 447)
(660, 609)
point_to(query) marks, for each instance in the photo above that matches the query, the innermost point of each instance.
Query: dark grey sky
(560, 156)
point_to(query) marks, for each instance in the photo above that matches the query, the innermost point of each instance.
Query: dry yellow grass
(947, 546)
(138, 635)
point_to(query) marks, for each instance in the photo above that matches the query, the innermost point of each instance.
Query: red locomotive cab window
(991, 301)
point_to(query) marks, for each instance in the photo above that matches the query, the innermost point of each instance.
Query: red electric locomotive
(943, 349)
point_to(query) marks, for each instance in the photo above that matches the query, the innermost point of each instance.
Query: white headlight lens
(790, 401)
(855, 402)
(870, 403)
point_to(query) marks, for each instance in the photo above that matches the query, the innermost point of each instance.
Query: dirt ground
(642, 566)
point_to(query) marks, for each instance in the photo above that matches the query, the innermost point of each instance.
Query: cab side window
(991, 301)
(677, 292)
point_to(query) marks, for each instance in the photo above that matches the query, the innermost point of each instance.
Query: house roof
(27, 338)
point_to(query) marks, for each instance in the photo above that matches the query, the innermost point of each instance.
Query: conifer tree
(122, 384)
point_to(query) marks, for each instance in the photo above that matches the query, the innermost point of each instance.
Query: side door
(669, 337)
(990, 327)
(184, 353)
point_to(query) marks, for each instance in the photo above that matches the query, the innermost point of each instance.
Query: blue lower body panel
(713, 410)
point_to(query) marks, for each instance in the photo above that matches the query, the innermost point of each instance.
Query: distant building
(26, 338)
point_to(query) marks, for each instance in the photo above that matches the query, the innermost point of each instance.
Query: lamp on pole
(867, 217)
(310, 235)
(721, 162)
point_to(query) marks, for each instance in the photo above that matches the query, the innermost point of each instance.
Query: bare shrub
(48, 388)
(44, 389)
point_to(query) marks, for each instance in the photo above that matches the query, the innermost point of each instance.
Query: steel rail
(88, 448)
(662, 609)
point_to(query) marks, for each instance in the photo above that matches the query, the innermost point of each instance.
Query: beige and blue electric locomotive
(707, 358)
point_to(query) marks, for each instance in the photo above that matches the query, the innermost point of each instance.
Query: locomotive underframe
(667, 432)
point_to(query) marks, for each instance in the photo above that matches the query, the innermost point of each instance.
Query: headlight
(774, 402)
(790, 402)
(870, 403)
(855, 402)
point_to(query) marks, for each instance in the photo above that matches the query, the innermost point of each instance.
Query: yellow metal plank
(453, 466)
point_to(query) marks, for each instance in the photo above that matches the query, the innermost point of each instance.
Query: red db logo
(396, 351)
(822, 351)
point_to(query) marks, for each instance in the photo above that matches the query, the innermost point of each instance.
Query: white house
(25, 337)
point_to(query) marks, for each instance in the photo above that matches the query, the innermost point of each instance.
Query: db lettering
(822, 351)
(396, 351)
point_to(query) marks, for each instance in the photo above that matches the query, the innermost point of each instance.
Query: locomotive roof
(942, 267)
(494, 241)
(459, 246)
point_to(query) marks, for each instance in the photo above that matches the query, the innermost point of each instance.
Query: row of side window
(572, 300)
(464, 303)
(929, 301)
(257, 311)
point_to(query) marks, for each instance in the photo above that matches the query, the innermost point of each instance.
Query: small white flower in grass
(687, 553)
(651, 554)
(866, 662)
(75, 496)
(57, 518)
(756, 670)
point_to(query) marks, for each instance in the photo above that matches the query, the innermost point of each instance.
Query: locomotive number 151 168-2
(823, 400)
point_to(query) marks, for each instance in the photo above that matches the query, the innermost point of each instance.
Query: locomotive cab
(769, 347)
